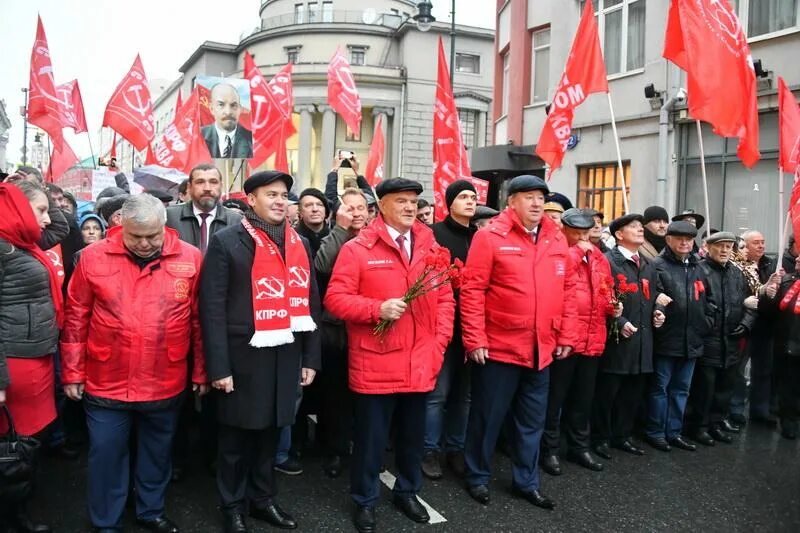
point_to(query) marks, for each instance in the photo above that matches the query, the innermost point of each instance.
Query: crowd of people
(216, 327)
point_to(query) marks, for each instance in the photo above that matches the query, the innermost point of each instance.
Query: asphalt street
(752, 485)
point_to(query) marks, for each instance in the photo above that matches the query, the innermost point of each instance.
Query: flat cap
(293, 198)
(393, 185)
(370, 199)
(482, 212)
(721, 236)
(681, 229)
(555, 201)
(700, 219)
(265, 177)
(619, 223)
(592, 212)
(526, 183)
(575, 218)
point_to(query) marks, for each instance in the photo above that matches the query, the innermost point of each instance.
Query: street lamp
(424, 17)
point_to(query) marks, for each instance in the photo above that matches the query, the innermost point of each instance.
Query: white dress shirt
(393, 234)
(627, 254)
(221, 134)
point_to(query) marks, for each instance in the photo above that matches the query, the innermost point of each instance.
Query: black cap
(527, 183)
(575, 218)
(370, 199)
(316, 193)
(393, 185)
(555, 201)
(655, 212)
(700, 219)
(109, 206)
(265, 177)
(721, 236)
(483, 211)
(619, 223)
(161, 195)
(592, 212)
(681, 229)
(456, 188)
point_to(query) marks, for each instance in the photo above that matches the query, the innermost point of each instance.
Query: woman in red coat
(30, 293)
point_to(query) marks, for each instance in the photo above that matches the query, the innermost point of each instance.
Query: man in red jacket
(390, 374)
(131, 320)
(572, 378)
(517, 312)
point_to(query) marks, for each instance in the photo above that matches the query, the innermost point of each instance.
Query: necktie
(635, 259)
(401, 242)
(227, 152)
(204, 232)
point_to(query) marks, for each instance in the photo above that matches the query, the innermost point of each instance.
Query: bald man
(226, 138)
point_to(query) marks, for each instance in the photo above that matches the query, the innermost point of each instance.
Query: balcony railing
(334, 16)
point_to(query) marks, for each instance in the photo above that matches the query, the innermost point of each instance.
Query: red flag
(130, 111)
(150, 157)
(374, 171)
(181, 145)
(789, 129)
(281, 161)
(179, 101)
(794, 207)
(43, 102)
(60, 161)
(342, 93)
(584, 74)
(706, 39)
(71, 107)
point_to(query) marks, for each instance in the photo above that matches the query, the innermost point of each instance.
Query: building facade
(394, 65)
(5, 125)
(533, 40)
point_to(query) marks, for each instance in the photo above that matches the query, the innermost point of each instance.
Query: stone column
(303, 177)
(480, 130)
(389, 145)
(328, 141)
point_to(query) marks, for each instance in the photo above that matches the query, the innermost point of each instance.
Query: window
(469, 120)
(313, 11)
(292, 53)
(469, 63)
(358, 55)
(600, 188)
(622, 25)
(327, 11)
(353, 136)
(541, 65)
(299, 13)
(506, 82)
(762, 17)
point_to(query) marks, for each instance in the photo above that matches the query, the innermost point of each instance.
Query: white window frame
(744, 18)
(327, 11)
(601, 13)
(299, 13)
(470, 54)
(353, 48)
(314, 12)
(535, 49)
(294, 49)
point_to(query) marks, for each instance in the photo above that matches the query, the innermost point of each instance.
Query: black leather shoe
(479, 493)
(161, 524)
(274, 515)
(234, 523)
(729, 427)
(364, 519)
(585, 460)
(550, 464)
(431, 466)
(683, 444)
(411, 508)
(658, 443)
(332, 466)
(737, 420)
(601, 449)
(535, 497)
(628, 447)
(717, 434)
(703, 437)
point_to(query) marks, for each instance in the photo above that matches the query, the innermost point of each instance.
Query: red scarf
(18, 226)
(280, 293)
(790, 294)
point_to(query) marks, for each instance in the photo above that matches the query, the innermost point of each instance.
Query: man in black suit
(226, 138)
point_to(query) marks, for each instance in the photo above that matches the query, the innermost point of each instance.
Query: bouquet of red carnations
(616, 296)
(438, 272)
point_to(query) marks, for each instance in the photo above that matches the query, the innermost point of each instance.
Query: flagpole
(619, 156)
(782, 228)
(782, 249)
(703, 171)
(91, 150)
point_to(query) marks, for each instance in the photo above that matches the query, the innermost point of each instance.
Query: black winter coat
(729, 287)
(181, 218)
(787, 322)
(266, 380)
(633, 355)
(314, 238)
(689, 316)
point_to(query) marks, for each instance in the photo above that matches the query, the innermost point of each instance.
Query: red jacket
(592, 299)
(368, 271)
(128, 332)
(513, 296)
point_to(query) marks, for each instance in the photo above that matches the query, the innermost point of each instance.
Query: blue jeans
(666, 401)
(284, 445)
(451, 395)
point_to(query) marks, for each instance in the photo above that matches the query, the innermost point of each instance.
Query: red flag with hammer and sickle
(130, 111)
(44, 105)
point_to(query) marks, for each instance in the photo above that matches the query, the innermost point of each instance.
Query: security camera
(681, 94)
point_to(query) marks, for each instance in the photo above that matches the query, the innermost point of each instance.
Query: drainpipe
(664, 155)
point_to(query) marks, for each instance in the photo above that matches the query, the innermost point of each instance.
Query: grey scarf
(275, 232)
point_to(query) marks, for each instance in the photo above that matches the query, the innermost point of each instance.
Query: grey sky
(96, 41)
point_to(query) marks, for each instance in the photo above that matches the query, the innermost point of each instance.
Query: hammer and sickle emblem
(299, 277)
(54, 258)
(270, 288)
(140, 107)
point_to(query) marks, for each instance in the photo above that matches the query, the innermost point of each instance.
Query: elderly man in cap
(390, 374)
(596, 232)
(628, 355)
(518, 314)
(679, 343)
(555, 204)
(483, 216)
(733, 317)
(572, 377)
(655, 220)
(451, 395)
(258, 305)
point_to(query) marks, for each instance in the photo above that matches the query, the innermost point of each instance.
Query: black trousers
(335, 418)
(710, 396)
(569, 403)
(616, 401)
(787, 369)
(244, 467)
(373, 418)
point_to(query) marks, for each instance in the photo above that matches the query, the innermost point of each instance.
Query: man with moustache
(258, 307)
(655, 220)
(226, 138)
